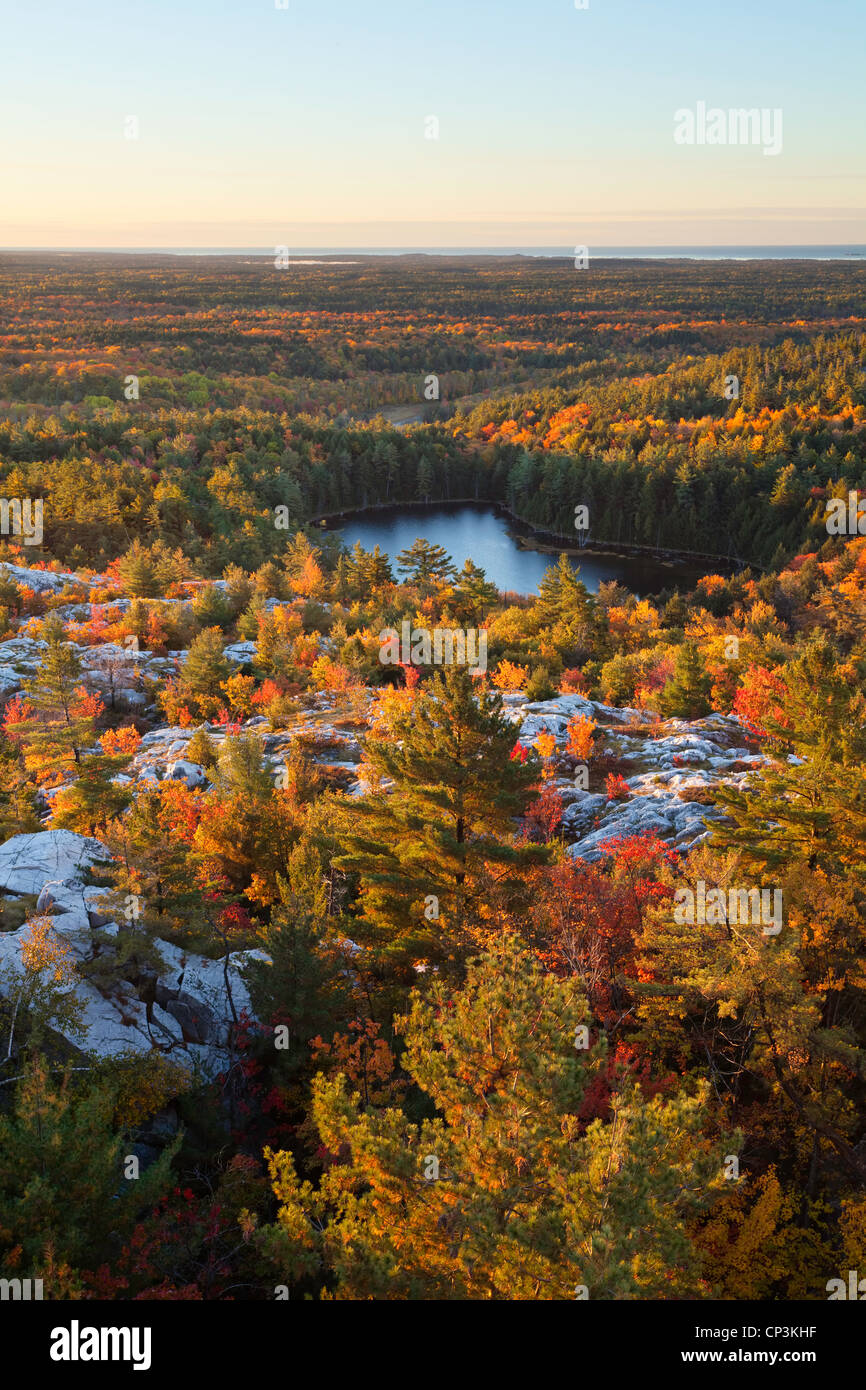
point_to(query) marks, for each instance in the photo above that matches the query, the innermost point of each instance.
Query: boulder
(190, 1014)
(190, 773)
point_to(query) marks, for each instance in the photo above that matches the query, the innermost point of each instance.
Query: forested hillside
(334, 969)
(255, 387)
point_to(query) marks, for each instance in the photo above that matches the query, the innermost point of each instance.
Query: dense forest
(328, 976)
(709, 413)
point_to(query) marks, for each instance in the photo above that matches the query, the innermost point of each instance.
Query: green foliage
(422, 849)
(504, 1194)
(540, 685)
(205, 668)
(687, 694)
(63, 1195)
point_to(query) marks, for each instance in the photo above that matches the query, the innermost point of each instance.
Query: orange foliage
(124, 740)
(508, 676)
(580, 732)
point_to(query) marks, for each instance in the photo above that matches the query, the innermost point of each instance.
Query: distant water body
(642, 253)
(479, 532)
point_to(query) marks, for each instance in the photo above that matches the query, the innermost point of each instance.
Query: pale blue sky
(305, 126)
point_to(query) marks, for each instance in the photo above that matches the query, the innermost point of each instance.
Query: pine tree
(378, 570)
(504, 1195)
(813, 810)
(65, 1199)
(206, 669)
(94, 798)
(687, 693)
(201, 749)
(248, 622)
(62, 724)
(421, 849)
(473, 592)
(425, 563)
(786, 1006)
(301, 986)
(152, 891)
(562, 595)
(138, 572)
(212, 608)
(240, 769)
(341, 583)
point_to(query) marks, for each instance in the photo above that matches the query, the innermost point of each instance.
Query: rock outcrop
(194, 1002)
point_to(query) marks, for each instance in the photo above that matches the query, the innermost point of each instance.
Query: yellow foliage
(509, 676)
(546, 745)
(756, 1249)
(42, 952)
(580, 731)
(144, 1085)
(239, 692)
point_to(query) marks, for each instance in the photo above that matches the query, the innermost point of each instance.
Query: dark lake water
(482, 534)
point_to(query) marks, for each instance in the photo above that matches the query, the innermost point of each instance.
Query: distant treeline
(694, 408)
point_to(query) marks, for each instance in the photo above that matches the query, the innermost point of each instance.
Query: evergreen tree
(211, 607)
(811, 811)
(687, 694)
(62, 725)
(562, 595)
(10, 594)
(138, 573)
(248, 622)
(342, 581)
(64, 1197)
(206, 669)
(94, 798)
(425, 563)
(152, 889)
(378, 569)
(421, 849)
(473, 592)
(300, 986)
(240, 768)
(201, 749)
(504, 1195)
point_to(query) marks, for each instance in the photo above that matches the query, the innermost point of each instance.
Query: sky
(309, 126)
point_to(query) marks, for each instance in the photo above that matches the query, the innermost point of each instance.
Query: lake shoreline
(548, 542)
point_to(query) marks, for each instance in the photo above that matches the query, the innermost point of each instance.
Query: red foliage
(544, 817)
(181, 810)
(759, 698)
(593, 916)
(573, 681)
(88, 704)
(18, 711)
(234, 920)
(224, 721)
(621, 1065)
(616, 787)
(269, 690)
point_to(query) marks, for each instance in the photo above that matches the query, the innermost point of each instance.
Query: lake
(483, 534)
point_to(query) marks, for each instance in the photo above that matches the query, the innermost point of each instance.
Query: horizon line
(425, 249)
